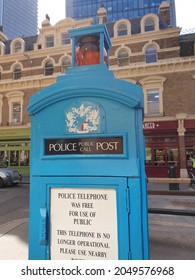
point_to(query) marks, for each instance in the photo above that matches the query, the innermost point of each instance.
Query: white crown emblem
(83, 119)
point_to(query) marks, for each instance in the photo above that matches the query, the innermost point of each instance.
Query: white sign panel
(83, 224)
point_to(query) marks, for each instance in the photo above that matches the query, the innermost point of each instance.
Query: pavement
(14, 240)
(14, 235)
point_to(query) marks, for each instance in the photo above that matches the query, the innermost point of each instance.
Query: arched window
(65, 64)
(17, 72)
(17, 47)
(123, 58)
(149, 22)
(48, 70)
(151, 54)
(122, 29)
(149, 25)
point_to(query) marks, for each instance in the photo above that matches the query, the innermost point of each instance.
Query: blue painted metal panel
(89, 106)
(123, 116)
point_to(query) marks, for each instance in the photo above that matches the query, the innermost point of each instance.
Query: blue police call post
(88, 196)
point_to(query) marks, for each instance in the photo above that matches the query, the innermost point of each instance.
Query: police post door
(88, 197)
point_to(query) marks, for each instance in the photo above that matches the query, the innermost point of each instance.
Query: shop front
(162, 148)
(190, 143)
(15, 149)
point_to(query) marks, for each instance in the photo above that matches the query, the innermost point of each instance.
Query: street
(171, 237)
(14, 203)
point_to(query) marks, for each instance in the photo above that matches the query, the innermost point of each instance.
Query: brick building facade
(145, 51)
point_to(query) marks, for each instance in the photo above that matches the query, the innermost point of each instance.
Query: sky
(56, 10)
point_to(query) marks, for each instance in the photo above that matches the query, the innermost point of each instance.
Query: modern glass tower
(19, 18)
(116, 9)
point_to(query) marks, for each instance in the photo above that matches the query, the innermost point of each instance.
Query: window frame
(151, 57)
(20, 48)
(15, 98)
(49, 41)
(64, 66)
(122, 31)
(150, 16)
(120, 22)
(151, 102)
(48, 70)
(127, 58)
(148, 26)
(17, 72)
(150, 84)
(65, 39)
(17, 47)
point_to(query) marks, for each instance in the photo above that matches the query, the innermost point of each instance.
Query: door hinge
(128, 200)
(43, 227)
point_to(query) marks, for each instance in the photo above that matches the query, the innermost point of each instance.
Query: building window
(17, 47)
(16, 113)
(122, 30)
(153, 102)
(149, 25)
(149, 22)
(122, 27)
(49, 41)
(65, 39)
(48, 70)
(14, 153)
(17, 73)
(153, 95)
(15, 101)
(151, 54)
(65, 64)
(123, 58)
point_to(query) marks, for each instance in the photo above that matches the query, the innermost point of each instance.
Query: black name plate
(86, 146)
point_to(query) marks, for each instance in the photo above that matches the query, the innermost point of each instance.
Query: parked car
(9, 177)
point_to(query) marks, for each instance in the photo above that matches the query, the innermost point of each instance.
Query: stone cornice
(159, 119)
(63, 49)
(27, 125)
(24, 83)
(160, 67)
(169, 118)
(147, 36)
